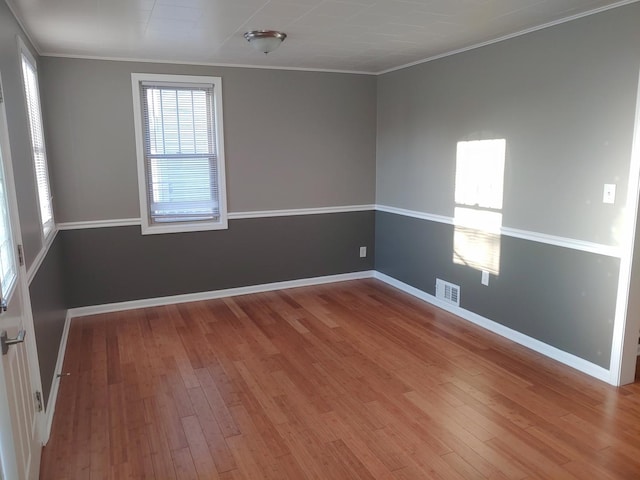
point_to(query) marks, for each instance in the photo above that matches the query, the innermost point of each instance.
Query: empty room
(319, 239)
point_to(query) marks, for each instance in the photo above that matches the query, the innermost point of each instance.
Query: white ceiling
(348, 35)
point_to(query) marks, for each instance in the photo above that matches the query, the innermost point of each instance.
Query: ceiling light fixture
(265, 41)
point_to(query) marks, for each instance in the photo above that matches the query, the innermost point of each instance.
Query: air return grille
(448, 292)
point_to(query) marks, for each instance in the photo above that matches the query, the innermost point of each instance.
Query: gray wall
(564, 99)
(562, 297)
(46, 289)
(293, 139)
(49, 307)
(106, 265)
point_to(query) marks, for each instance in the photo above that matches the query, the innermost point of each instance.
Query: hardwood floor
(345, 381)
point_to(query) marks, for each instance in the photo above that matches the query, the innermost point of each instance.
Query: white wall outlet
(363, 252)
(485, 278)
(609, 194)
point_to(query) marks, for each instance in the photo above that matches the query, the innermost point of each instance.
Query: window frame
(147, 227)
(7, 288)
(47, 228)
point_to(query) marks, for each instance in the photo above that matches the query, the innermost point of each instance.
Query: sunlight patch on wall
(479, 187)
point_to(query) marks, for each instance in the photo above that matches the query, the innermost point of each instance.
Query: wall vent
(448, 292)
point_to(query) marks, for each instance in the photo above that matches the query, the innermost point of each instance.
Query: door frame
(6, 433)
(624, 348)
(27, 320)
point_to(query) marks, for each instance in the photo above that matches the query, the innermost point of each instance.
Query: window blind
(180, 152)
(30, 76)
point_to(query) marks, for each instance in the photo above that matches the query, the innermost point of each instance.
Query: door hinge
(38, 401)
(20, 255)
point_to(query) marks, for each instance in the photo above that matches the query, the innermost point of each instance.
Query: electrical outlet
(609, 194)
(363, 252)
(485, 278)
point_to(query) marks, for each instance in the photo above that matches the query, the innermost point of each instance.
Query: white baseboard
(536, 345)
(154, 302)
(513, 335)
(228, 292)
(55, 382)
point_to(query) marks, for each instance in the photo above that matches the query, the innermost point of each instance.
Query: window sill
(183, 227)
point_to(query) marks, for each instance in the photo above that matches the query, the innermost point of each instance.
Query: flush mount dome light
(265, 41)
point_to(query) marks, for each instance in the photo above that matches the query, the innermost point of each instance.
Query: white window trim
(178, 227)
(49, 228)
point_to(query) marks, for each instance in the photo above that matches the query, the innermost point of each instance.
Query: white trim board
(118, 222)
(554, 353)
(55, 382)
(125, 222)
(210, 295)
(536, 345)
(300, 211)
(432, 217)
(42, 254)
(566, 242)
(572, 243)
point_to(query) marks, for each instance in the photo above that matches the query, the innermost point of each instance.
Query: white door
(20, 444)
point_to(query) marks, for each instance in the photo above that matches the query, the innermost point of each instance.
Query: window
(36, 132)
(179, 139)
(8, 273)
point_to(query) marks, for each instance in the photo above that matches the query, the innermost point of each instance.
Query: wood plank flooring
(353, 380)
